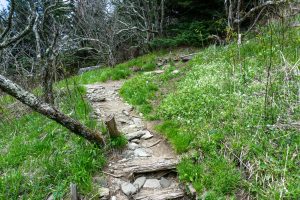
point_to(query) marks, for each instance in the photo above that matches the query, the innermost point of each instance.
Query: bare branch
(20, 35)
(9, 20)
(257, 8)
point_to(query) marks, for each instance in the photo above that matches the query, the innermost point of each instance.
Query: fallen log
(144, 166)
(163, 194)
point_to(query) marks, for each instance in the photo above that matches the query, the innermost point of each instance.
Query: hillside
(202, 105)
(234, 114)
(237, 141)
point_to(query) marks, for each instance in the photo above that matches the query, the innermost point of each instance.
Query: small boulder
(128, 188)
(139, 182)
(152, 183)
(164, 182)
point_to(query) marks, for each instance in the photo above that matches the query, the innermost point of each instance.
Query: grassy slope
(39, 157)
(237, 137)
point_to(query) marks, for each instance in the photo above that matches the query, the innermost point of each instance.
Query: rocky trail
(145, 168)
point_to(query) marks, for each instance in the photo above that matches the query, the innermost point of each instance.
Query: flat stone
(113, 198)
(135, 135)
(128, 154)
(158, 71)
(104, 193)
(147, 135)
(100, 180)
(137, 141)
(175, 71)
(132, 146)
(128, 188)
(138, 122)
(164, 182)
(140, 152)
(139, 182)
(152, 183)
(129, 129)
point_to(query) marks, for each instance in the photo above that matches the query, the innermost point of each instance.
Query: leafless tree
(32, 101)
(109, 25)
(239, 11)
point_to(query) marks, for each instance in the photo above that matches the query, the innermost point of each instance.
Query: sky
(3, 4)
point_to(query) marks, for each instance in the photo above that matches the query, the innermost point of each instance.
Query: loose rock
(104, 193)
(137, 141)
(192, 190)
(128, 188)
(125, 112)
(135, 135)
(51, 197)
(138, 122)
(152, 183)
(130, 129)
(175, 71)
(113, 198)
(100, 180)
(132, 146)
(147, 135)
(164, 182)
(98, 99)
(139, 182)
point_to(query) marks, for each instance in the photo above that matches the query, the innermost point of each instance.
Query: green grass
(118, 142)
(120, 71)
(221, 102)
(215, 176)
(180, 140)
(40, 157)
(244, 138)
(138, 91)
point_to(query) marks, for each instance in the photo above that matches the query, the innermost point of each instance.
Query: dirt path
(145, 169)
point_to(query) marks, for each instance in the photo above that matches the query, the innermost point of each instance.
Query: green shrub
(195, 33)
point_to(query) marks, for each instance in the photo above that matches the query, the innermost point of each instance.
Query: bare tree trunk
(162, 16)
(48, 83)
(49, 111)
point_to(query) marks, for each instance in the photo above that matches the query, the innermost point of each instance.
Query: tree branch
(9, 23)
(257, 8)
(19, 36)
